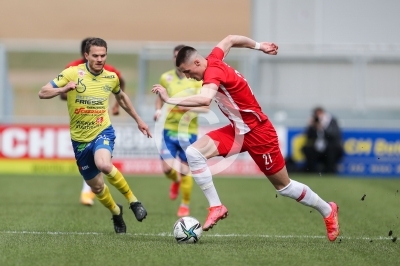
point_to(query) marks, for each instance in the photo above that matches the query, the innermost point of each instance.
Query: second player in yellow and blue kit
(180, 129)
(181, 126)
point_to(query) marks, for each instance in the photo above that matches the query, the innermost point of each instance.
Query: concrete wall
(342, 54)
(326, 22)
(133, 20)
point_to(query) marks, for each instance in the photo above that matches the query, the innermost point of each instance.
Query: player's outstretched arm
(48, 91)
(244, 42)
(126, 104)
(208, 92)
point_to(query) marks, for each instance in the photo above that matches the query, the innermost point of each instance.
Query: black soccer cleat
(119, 224)
(139, 211)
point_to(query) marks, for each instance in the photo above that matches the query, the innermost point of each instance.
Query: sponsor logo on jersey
(83, 110)
(82, 146)
(90, 100)
(80, 87)
(99, 120)
(107, 88)
(86, 125)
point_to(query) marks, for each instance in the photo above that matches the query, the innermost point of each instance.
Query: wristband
(257, 46)
(158, 111)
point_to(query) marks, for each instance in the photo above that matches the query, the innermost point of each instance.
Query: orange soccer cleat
(332, 222)
(174, 190)
(87, 198)
(183, 211)
(215, 214)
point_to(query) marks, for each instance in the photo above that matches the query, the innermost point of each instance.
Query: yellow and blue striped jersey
(88, 103)
(180, 87)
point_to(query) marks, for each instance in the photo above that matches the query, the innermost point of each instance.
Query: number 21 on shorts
(268, 160)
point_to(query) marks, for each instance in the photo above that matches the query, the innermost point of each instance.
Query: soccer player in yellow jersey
(87, 196)
(180, 130)
(89, 86)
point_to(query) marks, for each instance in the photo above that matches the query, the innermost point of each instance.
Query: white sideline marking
(207, 235)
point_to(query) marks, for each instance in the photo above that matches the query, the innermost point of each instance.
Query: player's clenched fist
(69, 87)
(269, 48)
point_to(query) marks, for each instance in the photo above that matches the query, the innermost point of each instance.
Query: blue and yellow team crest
(106, 142)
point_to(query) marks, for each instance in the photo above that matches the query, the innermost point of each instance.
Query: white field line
(206, 235)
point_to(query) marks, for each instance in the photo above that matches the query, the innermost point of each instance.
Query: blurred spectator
(323, 148)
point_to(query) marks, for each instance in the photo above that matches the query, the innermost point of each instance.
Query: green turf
(42, 223)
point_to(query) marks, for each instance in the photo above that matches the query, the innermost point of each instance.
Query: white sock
(86, 187)
(303, 194)
(202, 175)
(211, 194)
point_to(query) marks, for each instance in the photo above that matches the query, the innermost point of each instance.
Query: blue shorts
(84, 152)
(174, 144)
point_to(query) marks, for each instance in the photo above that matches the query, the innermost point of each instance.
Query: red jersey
(234, 98)
(106, 67)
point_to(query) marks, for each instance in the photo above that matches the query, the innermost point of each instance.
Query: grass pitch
(42, 223)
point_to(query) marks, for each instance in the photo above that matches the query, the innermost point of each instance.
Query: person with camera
(323, 149)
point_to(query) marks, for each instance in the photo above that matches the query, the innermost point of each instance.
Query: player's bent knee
(167, 170)
(194, 156)
(105, 167)
(98, 188)
(198, 166)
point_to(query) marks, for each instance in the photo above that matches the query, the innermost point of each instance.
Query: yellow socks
(186, 188)
(173, 175)
(106, 199)
(118, 181)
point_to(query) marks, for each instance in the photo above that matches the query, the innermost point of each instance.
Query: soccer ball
(187, 230)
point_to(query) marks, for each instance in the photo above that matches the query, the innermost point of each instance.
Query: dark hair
(83, 45)
(94, 42)
(184, 54)
(318, 109)
(178, 47)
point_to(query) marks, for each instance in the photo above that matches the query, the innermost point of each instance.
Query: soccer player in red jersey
(250, 129)
(87, 196)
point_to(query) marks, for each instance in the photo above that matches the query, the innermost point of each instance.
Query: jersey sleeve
(217, 53)
(117, 87)
(64, 77)
(163, 81)
(215, 72)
